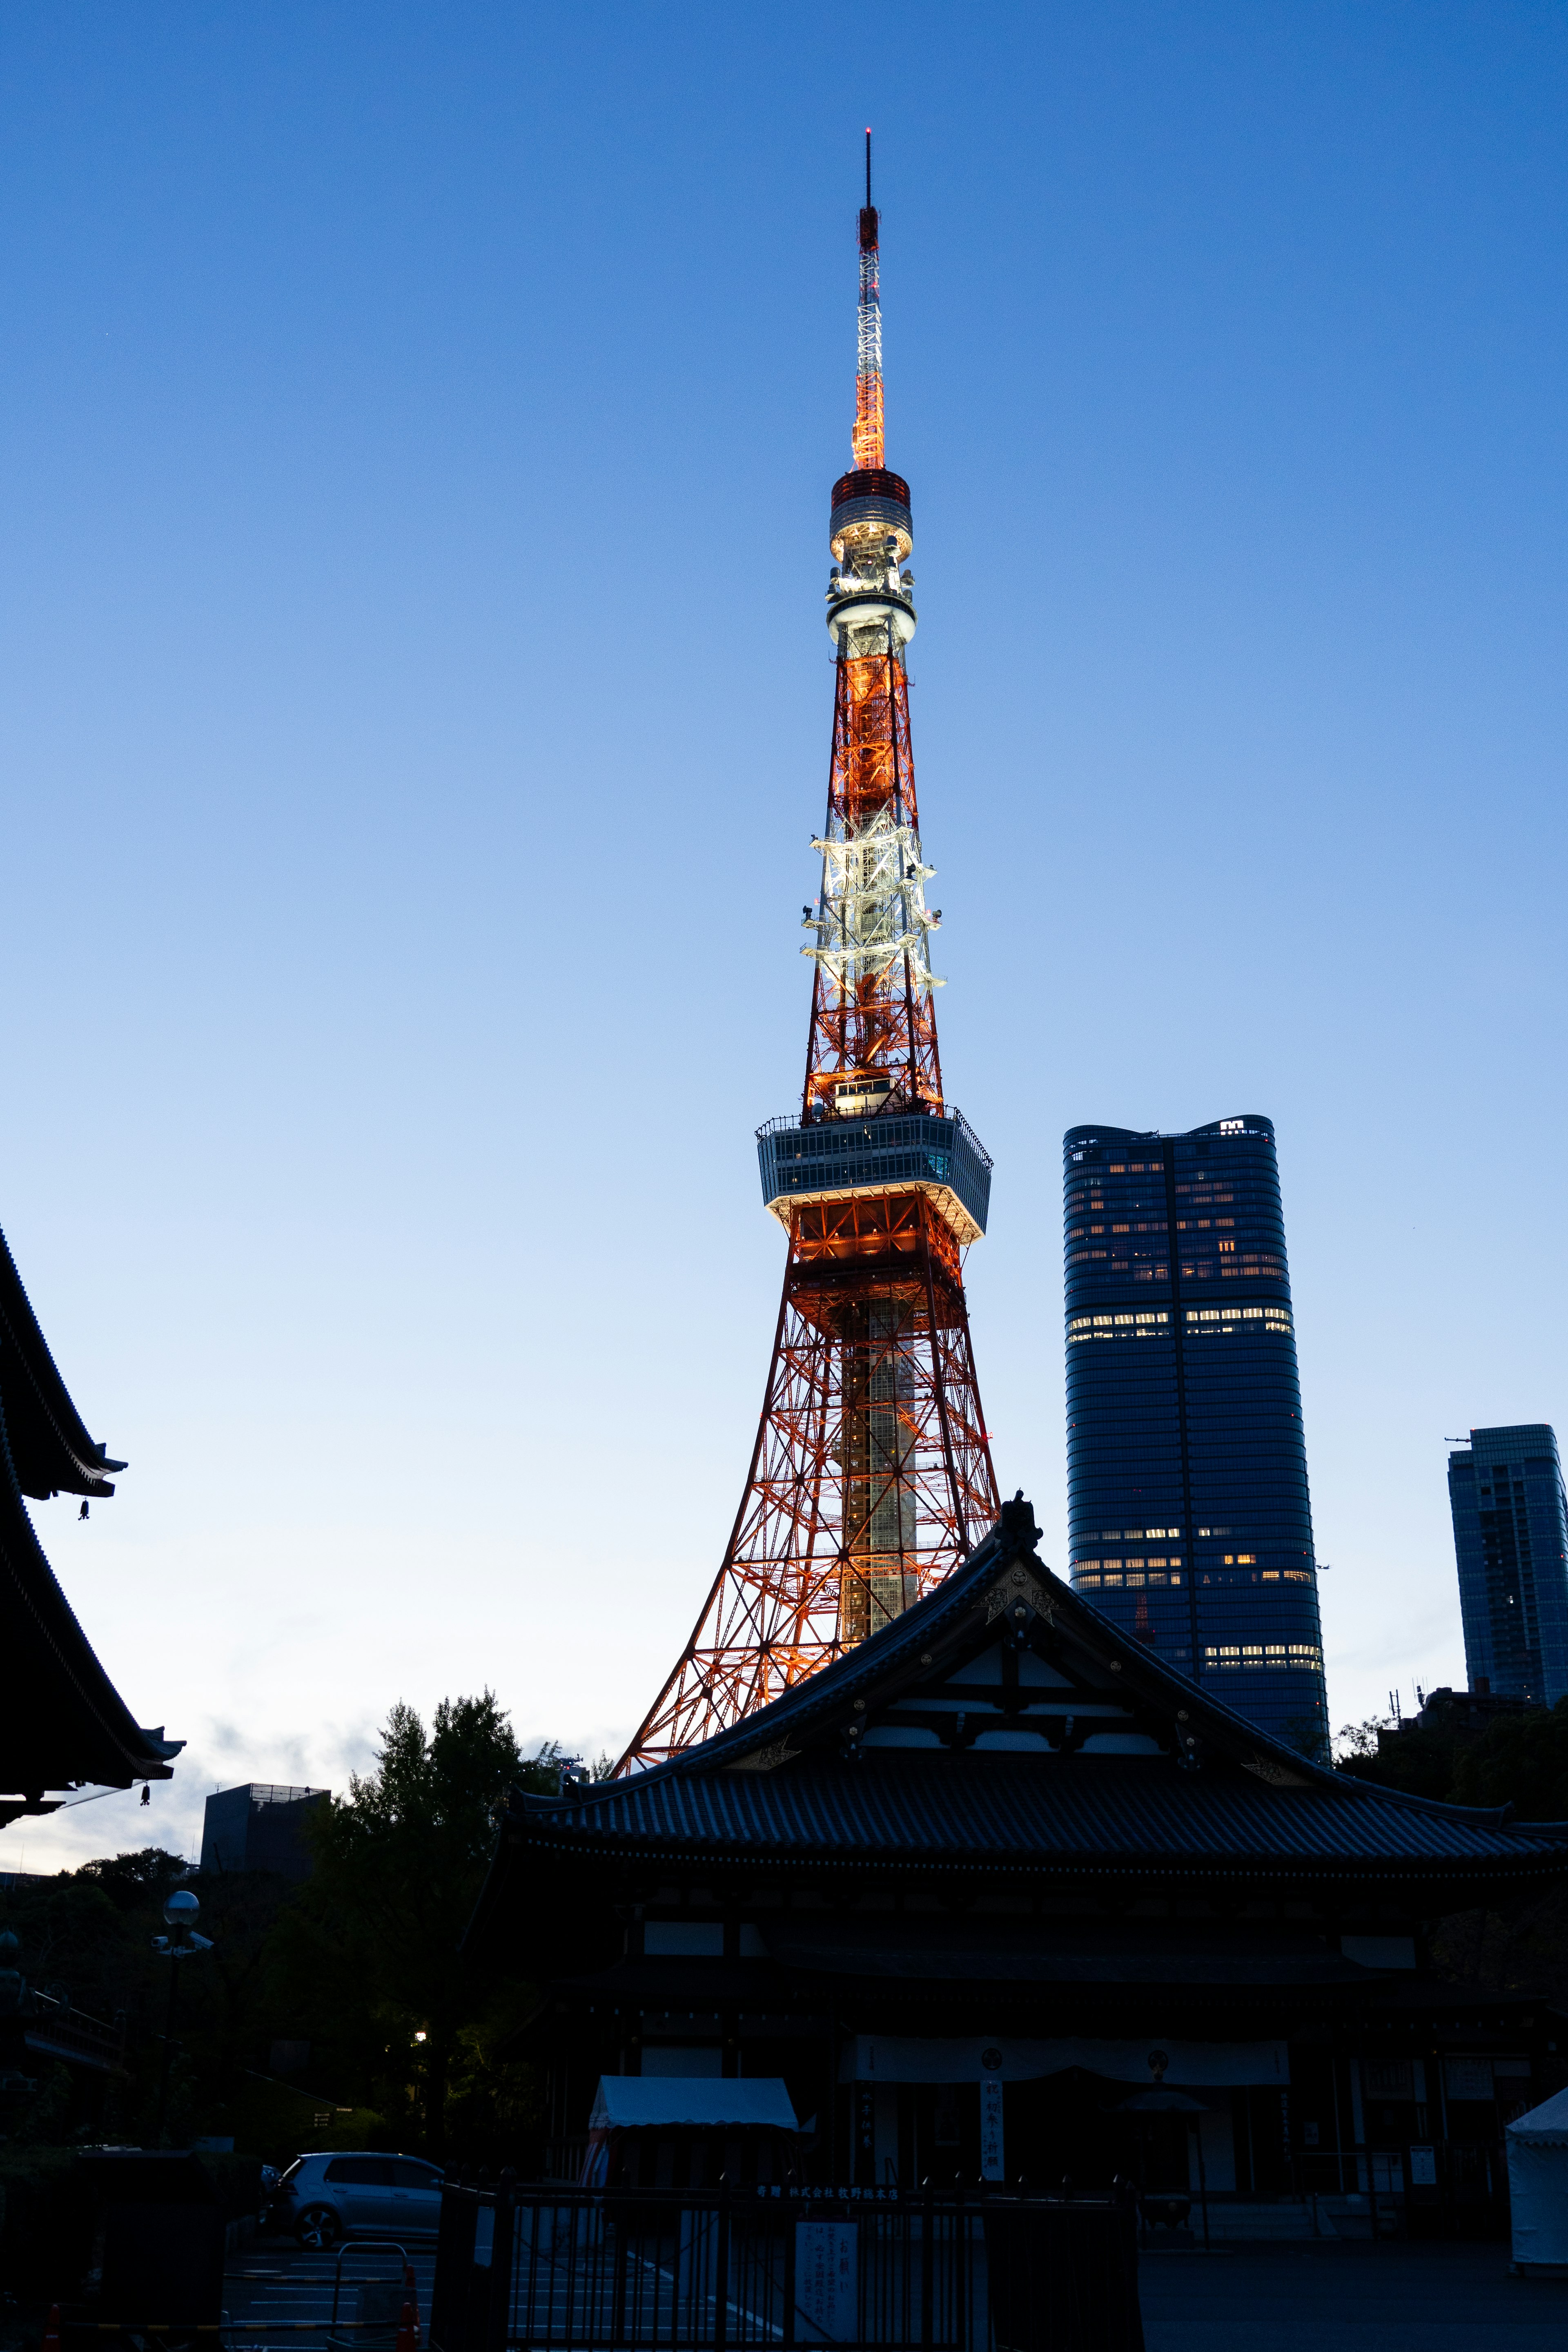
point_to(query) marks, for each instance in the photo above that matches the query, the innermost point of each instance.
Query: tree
(133, 1880)
(85, 1937)
(1522, 1947)
(1420, 1759)
(1521, 1760)
(362, 1962)
(367, 1955)
(1354, 1742)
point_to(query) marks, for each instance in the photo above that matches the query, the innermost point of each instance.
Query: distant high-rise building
(259, 1826)
(1190, 1522)
(1511, 1535)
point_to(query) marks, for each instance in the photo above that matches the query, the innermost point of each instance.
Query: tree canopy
(345, 1996)
(1520, 1760)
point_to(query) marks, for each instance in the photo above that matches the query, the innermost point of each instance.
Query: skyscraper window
(1184, 1411)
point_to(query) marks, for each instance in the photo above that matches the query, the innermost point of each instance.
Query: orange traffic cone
(52, 2330)
(411, 2289)
(407, 2331)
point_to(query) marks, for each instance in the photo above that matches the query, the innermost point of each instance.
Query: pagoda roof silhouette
(62, 1722)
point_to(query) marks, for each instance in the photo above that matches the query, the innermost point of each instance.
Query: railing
(1427, 2188)
(1471, 2170)
(875, 1150)
(553, 2270)
(55, 2029)
(788, 1123)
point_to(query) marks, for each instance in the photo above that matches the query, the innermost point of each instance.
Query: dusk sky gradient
(417, 427)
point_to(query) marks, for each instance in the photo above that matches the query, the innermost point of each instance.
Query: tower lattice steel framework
(871, 1475)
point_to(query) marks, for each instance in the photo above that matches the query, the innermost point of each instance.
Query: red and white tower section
(872, 1474)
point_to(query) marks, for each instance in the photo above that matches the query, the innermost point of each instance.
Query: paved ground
(278, 2299)
(1350, 2298)
(1330, 2297)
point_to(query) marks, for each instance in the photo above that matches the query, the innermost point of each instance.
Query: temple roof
(62, 1722)
(1004, 1726)
(1016, 1812)
(51, 1452)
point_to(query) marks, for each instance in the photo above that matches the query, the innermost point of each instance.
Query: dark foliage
(394, 2040)
(133, 1880)
(365, 1965)
(1420, 1761)
(1521, 1760)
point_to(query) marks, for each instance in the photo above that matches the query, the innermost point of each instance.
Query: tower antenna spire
(867, 438)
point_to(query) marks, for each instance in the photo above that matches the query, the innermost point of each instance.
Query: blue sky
(415, 432)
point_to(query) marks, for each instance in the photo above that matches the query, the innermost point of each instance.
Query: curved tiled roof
(50, 1449)
(62, 1721)
(1019, 1813)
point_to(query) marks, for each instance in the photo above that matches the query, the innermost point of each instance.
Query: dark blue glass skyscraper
(1511, 1533)
(1189, 1516)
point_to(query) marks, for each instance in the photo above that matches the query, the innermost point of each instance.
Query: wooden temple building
(62, 1722)
(998, 1894)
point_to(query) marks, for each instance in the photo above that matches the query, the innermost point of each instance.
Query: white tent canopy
(1538, 2185)
(1545, 2125)
(625, 2102)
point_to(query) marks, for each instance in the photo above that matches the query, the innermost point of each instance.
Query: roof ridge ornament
(1278, 1775)
(1019, 1522)
(1017, 1585)
(765, 1759)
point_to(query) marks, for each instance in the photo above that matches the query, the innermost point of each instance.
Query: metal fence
(525, 2266)
(1470, 2169)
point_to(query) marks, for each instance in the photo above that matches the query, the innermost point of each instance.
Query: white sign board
(993, 2161)
(1424, 2168)
(826, 2303)
(918, 2058)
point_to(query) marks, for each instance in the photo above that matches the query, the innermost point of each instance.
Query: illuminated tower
(871, 1474)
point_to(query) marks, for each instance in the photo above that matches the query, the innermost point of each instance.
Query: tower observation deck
(871, 1476)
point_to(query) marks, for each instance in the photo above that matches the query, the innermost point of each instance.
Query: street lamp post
(180, 1943)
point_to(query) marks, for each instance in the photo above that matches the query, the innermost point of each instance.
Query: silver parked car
(354, 2193)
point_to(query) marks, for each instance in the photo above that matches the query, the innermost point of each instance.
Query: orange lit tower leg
(872, 1474)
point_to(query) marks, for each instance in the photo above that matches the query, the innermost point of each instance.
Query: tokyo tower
(871, 1475)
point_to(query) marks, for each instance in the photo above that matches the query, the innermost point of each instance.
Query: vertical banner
(865, 2172)
(825, 2301)
(992, 2158)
